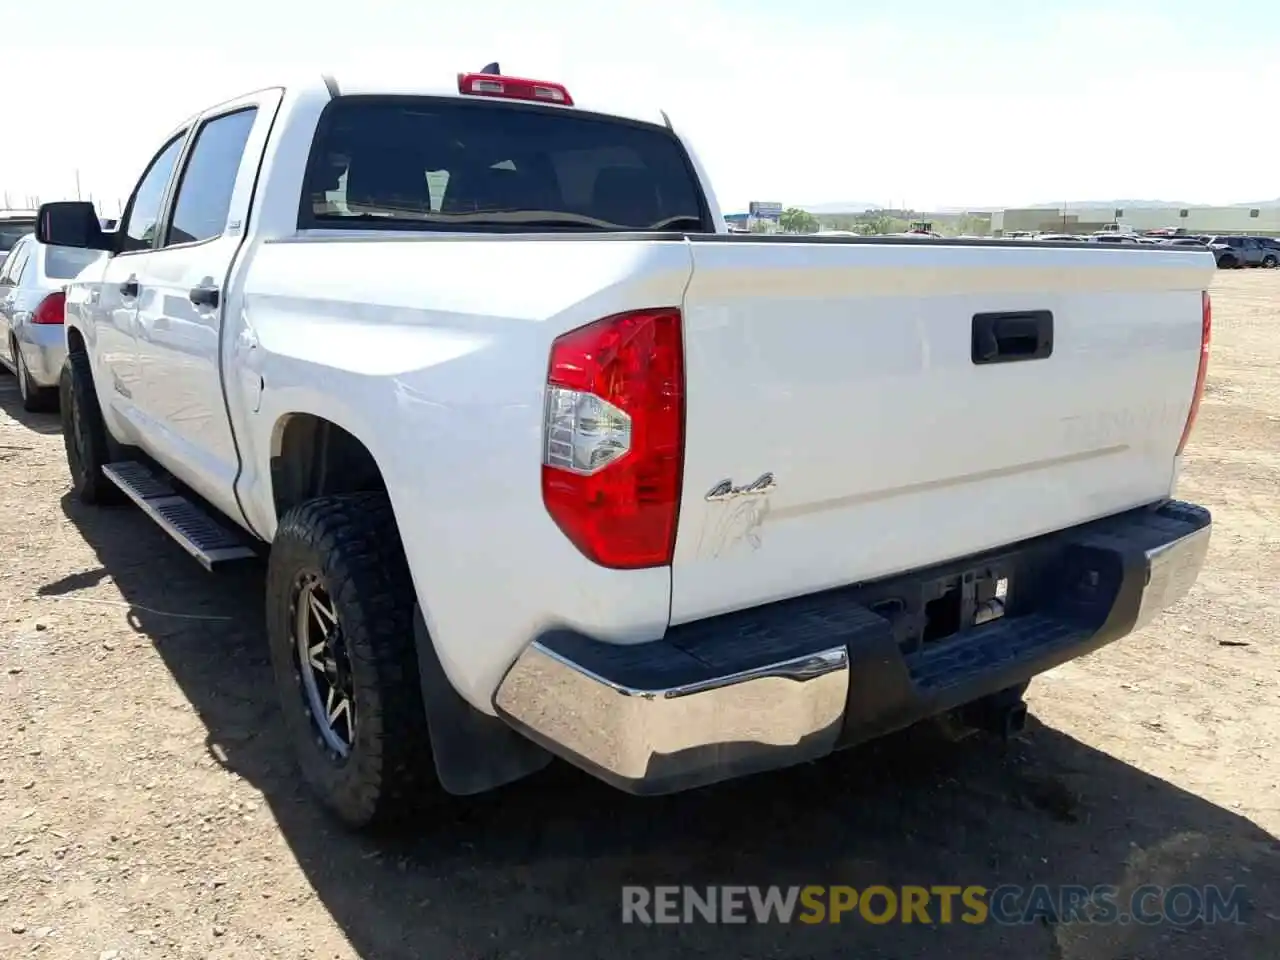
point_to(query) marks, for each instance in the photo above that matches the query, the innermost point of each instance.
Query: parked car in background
(32, 343)
(14, 225)
(1233, 252)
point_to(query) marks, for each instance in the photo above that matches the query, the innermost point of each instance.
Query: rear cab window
(426, 163)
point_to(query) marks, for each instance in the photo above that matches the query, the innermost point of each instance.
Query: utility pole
(77, 183)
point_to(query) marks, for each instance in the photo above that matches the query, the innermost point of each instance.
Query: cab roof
(372, 84)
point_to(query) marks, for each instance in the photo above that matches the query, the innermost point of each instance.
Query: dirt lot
(149, 807)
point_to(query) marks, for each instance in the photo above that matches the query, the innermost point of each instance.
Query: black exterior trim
(473, 751)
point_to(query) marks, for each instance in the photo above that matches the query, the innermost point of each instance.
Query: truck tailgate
(839, 427)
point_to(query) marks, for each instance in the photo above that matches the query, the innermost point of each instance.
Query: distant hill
(1124, 204)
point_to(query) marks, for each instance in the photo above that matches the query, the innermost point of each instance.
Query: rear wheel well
(75, 341)
(313, 457)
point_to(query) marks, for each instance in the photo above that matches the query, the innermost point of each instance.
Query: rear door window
(425, 163)
(16, 265)
(65, 263)
(204, 193)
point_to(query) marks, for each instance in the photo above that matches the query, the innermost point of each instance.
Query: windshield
(458, 165)
(65, 263)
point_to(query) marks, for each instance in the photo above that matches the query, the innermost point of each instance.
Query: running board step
(198, 533)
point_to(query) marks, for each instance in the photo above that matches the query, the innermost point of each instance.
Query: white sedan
(32, 342)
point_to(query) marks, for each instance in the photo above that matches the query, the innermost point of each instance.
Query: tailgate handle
(1010, 337)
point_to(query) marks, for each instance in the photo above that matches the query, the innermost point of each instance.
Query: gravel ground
(149, 805)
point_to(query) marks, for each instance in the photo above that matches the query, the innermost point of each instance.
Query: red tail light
(1206, 324)
(52, 309)
(513, 88)
(613, 442)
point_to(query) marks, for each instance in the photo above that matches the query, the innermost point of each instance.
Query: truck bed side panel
(433, 353)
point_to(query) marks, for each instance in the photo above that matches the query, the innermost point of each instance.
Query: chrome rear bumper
(1172, 570)
(656, 738)
(791, 682)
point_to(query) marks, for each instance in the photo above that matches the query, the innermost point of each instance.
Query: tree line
(870, 222)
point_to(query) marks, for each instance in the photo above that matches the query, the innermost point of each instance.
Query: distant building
(762, 210)
(1196, 220)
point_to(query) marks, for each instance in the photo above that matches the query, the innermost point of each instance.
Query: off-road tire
(82, 418)
(351, 541)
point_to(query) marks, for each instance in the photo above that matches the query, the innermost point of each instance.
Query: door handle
(1012, 337)
(204, 296)
(129, 288)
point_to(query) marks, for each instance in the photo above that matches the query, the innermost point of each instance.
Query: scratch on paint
(729, 524)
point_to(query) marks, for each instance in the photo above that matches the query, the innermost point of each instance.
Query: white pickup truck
(549, 464)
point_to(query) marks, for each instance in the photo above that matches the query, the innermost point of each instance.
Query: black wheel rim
(323, 665)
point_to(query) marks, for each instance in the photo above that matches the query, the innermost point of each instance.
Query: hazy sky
(924, 102)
